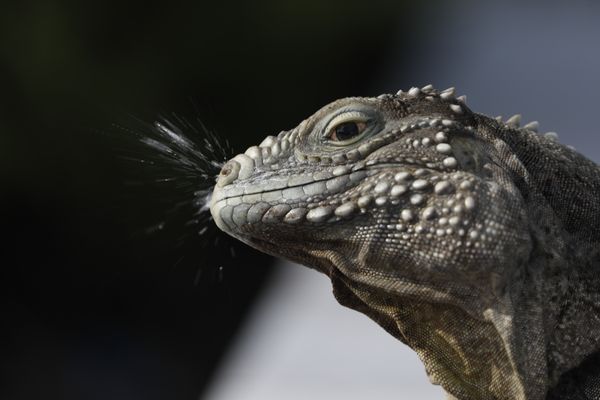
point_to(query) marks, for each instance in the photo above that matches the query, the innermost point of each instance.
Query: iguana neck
(525, 338)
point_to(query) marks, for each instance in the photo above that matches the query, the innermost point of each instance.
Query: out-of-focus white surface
(299, 343)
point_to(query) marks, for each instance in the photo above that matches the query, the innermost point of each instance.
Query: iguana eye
(348, 127)
(347, 131)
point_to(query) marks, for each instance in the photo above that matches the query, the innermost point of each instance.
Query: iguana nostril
(229, 173)
(226, 170)
(239, 167)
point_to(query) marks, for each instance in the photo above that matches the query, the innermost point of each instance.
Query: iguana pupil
(345, 131)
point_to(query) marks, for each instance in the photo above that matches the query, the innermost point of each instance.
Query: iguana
(474, 241)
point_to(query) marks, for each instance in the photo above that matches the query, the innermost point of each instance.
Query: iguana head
(399, 188)
(411, 204)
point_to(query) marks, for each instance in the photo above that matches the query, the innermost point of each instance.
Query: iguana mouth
(289, 204)
(327, 199)
(356, 175)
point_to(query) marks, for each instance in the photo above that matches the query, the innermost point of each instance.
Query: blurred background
(108, 294)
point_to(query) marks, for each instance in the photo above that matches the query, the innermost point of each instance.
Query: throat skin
(442, 335)
(474, 241)
(521, 331)
(454, 345)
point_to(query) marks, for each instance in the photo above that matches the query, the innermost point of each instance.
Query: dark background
(92, 307)
(95, 302)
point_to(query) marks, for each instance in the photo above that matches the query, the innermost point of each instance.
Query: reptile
(473, 240)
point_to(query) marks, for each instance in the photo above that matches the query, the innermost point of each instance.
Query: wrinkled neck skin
(516, 345)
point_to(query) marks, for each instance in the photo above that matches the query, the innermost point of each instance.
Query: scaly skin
(473, 241)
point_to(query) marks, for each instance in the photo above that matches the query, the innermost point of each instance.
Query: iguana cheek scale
(437, 223)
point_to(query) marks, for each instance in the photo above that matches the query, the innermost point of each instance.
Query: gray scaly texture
(472, 240)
